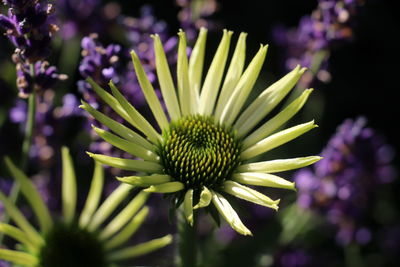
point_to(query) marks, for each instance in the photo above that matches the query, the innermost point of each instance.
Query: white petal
(188, 206)
(268, 99)
(229, 214)
(262, 179)
(233, 74)
(186, 95)
(165, 80)
(277, 121)
(278, 165)
(276, 140)
(196, 63)
(249, 194)
(213, 78)
(243, 88)
(149, 93)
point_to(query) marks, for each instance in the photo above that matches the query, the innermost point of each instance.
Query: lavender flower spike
(28, 28)
(342, 185)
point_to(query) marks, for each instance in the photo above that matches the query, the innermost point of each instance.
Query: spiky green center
(68, 246)
(199, 152)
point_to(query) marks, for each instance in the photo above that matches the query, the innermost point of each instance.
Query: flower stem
(29, 128)
(187, 241)
(26, 145)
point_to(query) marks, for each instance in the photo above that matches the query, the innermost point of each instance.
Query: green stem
(26, 145)
(29, 128)
(187, 241)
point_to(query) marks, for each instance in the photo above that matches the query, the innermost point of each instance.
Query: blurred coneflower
(76, 240)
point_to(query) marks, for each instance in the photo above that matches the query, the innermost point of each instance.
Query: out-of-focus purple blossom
(42, 77)
(195, 14)
(289, 257)
(4, 264)
(342, 185)
(331, 23)
(98, 62)
(28, 28)
(78, 16)
(52, 123)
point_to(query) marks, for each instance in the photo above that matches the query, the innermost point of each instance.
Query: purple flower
(331, 23)
(78, 16)
(98, 62)
(292, 258)
(42, 78)
(342, 185)
(28, 28)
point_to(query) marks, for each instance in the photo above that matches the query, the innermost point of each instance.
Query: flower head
(342, 185)
(72, 240)
(206, 146)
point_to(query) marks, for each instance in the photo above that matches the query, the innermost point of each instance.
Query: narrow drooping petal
(126, 233)
(127, 146)
(276, 140)
(229, 214)
(18, 235)
(165, 80)
(110, 100)
(243, 88)
(17, 257)
(212, 82)
(271, 125)
(186, 95)
(21, 221)
(205, 198)
(249, 194)
(196, 63)
(188, 206)
(233, 74)
(32, 195)
(149, 93)
(68, 186)
(145, 181)
(127, 164)
(170, 187)
(93, 198)
(139, 250)
(278, 165)
(268, 100)
(262, 179)
(124, 216)
(140, 122)
(109, 205)
(118, 128)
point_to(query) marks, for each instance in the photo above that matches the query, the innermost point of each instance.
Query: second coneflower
(72, 240)
(206, 146)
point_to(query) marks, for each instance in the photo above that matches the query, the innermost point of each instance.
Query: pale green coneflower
(84, 241)
(208, 140)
